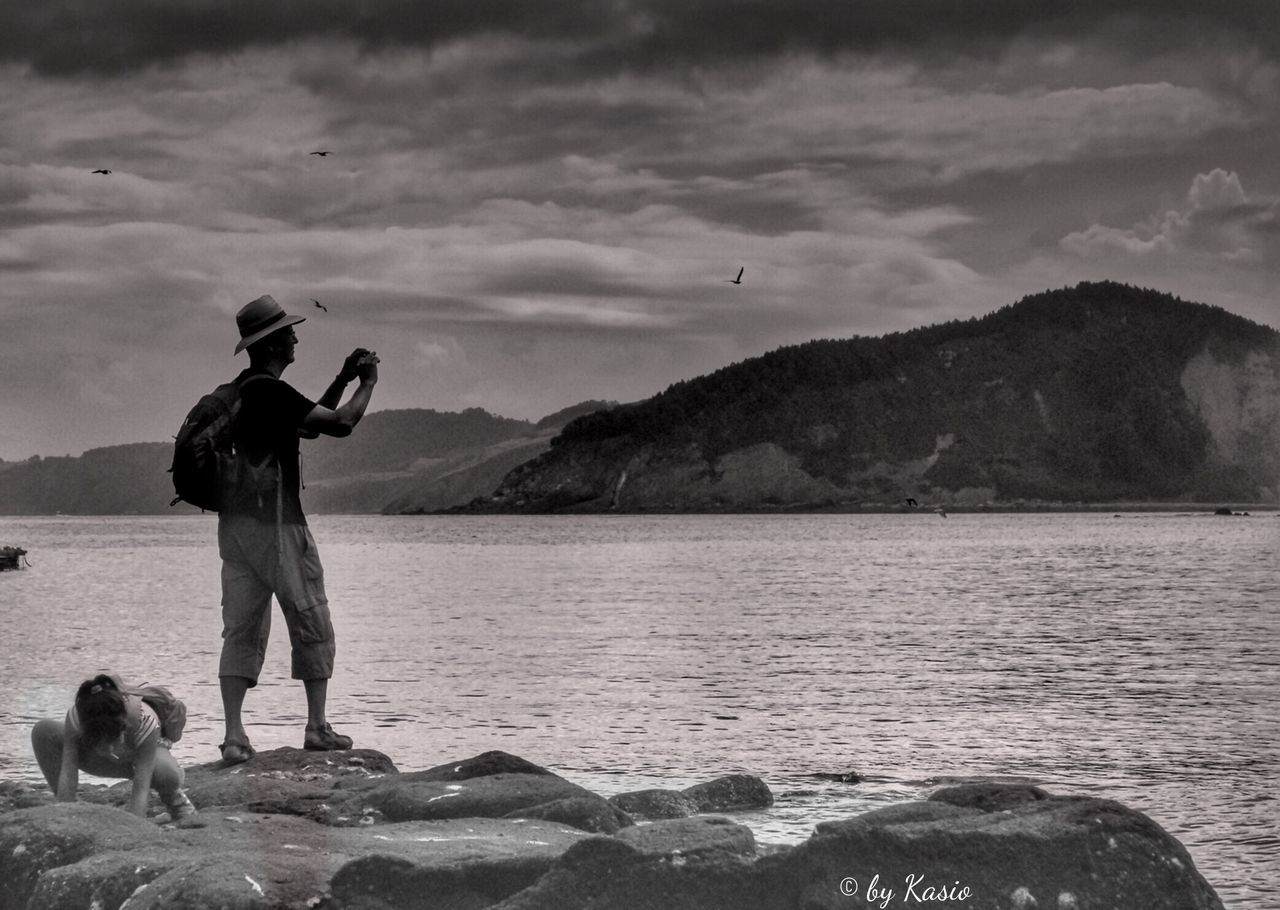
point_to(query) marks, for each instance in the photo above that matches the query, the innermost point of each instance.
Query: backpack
(206, 469)
(171, 710)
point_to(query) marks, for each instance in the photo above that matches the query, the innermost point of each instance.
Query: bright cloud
(529, 205)
(1217, 219)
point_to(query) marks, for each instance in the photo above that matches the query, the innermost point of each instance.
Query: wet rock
(35, 841)
(1029, 849)
(485, 764)
(691, 837)
(655, 803)
(731, 793)
(408, 797)
(586, 813)
(990, 797)
(98, 881)
(1008, 845)
(280, 780)
(19, 795)
(611, 873)
(460, 864)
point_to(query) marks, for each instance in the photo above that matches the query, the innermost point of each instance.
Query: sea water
(1134, 656)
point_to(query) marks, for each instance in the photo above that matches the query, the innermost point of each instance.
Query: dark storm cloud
(66, 37)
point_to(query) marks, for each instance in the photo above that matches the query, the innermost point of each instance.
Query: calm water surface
(1133, 656)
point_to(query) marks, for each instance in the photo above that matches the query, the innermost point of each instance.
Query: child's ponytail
(102, 709)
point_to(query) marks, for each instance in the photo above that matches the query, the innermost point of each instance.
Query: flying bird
(102, 170)
(321, 154)
(319, 304)
(737, 280)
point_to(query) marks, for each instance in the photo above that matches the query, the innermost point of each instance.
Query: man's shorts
(256, 563)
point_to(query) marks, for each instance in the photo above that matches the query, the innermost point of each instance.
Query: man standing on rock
(263, 538)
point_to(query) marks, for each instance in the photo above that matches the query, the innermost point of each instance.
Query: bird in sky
(737, 280)
(321, 154)
(319, 304)
(102, 170)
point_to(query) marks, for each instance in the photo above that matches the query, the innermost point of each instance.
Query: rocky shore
(349, 831)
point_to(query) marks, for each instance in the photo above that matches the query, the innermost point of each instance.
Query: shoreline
(1237, 509)
(350, 831)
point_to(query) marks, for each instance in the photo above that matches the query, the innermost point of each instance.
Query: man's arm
(340, 421)
(350, 370)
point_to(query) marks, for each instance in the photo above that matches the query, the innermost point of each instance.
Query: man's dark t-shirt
(271, 411)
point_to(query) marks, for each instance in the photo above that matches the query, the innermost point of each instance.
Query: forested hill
(1096, 393)
(397, 460)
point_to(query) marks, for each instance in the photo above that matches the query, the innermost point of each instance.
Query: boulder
(611, 873)
(1000, 846)
(655, 803)
(20, 795)
(1034, 851)
(691, 837)
(995, 846)
(81, 855)
(485, 764)
(106, 880)
(731, 793)
(407, 797)
(490, 785)
(35, 841)
(586, 813)
(460, 864)
(989, 797)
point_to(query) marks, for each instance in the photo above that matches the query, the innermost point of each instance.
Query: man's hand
(367, 367)
(350, 366)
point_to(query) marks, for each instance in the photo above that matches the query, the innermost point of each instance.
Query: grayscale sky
(528, 204)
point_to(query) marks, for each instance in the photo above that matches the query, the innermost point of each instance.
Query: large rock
(612, 874)
(36, 841)
(1009, 847)
(655, 803)
(998, 847)
(691, 837)
(586, 813)
(1031, 851)
(456, 864)
(408, 798)
(81, 856)
(731, 793)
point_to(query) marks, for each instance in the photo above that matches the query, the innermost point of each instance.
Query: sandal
(325, 739)
(181, 807)
(236, 753)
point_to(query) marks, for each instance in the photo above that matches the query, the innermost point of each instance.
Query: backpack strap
(279, 473)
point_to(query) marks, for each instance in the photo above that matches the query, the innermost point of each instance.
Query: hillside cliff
(1092, 394)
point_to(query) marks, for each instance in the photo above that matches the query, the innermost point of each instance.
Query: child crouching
(110, 732)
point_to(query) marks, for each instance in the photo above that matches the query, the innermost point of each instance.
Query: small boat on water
(12, 558)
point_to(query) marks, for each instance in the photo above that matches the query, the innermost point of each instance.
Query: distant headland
(1091, 398)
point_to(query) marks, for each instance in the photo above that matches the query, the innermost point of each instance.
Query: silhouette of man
(263, 538)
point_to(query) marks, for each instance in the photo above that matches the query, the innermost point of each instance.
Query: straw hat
(259, 318)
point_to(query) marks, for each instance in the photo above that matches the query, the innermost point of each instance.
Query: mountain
(402, 460)
(1092, 394)
(424, 461)
(115, 480)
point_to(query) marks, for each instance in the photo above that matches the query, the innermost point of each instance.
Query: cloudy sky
(527, 204)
